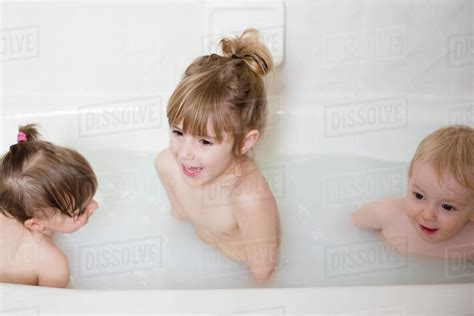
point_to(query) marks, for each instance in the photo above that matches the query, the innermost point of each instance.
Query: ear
(34, 224)
(249, 141)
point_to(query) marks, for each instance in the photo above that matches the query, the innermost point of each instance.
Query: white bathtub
(359, 85)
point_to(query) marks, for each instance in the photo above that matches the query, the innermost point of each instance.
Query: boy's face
(200, 159)
(438, 211)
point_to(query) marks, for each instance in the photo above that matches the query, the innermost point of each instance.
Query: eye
(177, 132)
(206, 142)
(448, 207)
(418, 196)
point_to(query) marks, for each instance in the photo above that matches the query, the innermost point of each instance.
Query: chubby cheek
(452, 223)
(173, 147)
(216, 160)
(412, 207)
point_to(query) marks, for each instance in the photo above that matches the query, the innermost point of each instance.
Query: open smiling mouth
(427, 230)
(191, 171)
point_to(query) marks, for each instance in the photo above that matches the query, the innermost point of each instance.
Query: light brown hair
(451, 151)
(35, 175)
(224, 93)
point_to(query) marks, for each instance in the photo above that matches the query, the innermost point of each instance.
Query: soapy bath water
(132, 242)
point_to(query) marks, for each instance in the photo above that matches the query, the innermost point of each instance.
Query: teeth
(193, 168)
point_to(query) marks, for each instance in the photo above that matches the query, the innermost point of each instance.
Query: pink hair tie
(21, 137)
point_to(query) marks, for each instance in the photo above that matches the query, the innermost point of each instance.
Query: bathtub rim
(403, 299)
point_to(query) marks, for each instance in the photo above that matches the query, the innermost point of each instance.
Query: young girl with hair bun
(44, 189)
(216, 115)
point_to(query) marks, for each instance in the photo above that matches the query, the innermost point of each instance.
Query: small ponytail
(30, 131)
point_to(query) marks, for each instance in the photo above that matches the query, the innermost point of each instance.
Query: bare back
(18, 253)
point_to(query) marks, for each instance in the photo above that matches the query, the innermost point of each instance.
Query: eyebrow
(417, 187)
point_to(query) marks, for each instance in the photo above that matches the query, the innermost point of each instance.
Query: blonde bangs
(200, 109)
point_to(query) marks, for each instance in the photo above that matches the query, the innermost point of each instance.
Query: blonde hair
(451, 151)
(35, 175)
(224, 93)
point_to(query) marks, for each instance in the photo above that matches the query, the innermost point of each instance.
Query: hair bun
(250, 49)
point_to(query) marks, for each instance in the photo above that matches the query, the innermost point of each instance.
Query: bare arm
(163, 166)
(257, 217)
(377, 214)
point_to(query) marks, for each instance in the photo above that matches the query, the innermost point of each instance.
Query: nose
(185, 152)
(428, 213)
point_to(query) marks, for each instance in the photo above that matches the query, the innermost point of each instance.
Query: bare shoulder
(52, 256)
(252, 188)
(379, 214)
(253, 199)
(163, 162)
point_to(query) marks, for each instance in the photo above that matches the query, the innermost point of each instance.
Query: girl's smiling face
(201, 159)
(437, 209)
